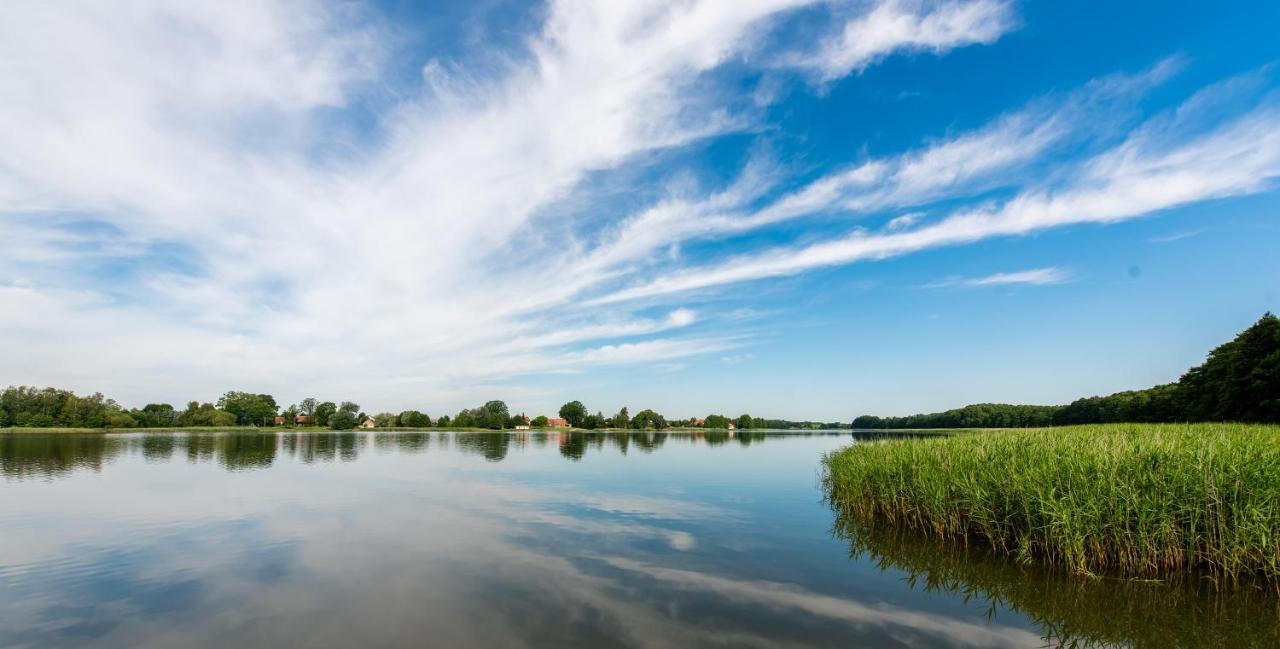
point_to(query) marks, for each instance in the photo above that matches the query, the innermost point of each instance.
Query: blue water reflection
(451, 540)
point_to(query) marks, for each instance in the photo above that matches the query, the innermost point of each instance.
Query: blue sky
(791, 208)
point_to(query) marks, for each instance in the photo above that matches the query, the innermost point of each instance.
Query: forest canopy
(1238, 381)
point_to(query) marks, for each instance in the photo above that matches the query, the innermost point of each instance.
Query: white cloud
(1164, 164)
(1035, 277)
(1178, 236)
(1002, 153)
(906, 25)
(196, 197)
(903, 222)
(785, 597)
(200, 129)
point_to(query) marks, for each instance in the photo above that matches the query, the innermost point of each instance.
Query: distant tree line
(1239, 381)
(52, 407)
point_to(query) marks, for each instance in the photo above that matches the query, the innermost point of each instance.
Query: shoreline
(319, 429)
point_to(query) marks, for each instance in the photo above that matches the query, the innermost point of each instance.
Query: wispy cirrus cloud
(1178, 236)
(1034, 277)
(324, 222)
(1002, 153)
(909, 25)
(195, 194)
(1171, 160)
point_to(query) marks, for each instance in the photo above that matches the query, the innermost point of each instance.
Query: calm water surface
(526, 540)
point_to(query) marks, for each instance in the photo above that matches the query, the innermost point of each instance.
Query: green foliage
(1131, 499)
(155, 415)
(647, 419)
(539, 422)
(1239, 381)
(622, 419)
(443, 422)
(493, 415)
(716, 421)
(48, 407)
(343, 419)
(346, 417)
(465, 419)
(204, 414)
(982, 415)
(575, 413)
(744, 422)
(386, 420)
(308, 406)
(414, 419)
(784, 424)
(249, 409)
(324, 411)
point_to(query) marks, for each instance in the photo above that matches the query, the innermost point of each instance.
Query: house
(301, 420)
(699, 421)
(558, 422)
(368, 423)
(279, 421)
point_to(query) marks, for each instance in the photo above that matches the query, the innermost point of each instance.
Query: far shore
(446, 429)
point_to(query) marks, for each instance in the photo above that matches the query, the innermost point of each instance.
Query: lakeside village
(537, 423)
(303, 421)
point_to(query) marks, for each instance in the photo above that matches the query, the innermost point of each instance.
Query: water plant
(1144, 500)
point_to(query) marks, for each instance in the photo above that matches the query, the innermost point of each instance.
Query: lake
(519, 540)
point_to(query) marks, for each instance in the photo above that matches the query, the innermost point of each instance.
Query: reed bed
(1143, 500)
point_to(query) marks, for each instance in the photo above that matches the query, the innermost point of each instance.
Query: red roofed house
(301, 420)
(558, 422)
(279, 421)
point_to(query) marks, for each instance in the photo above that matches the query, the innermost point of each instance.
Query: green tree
(205, 414)
(155, 415)
(716, 421)
(575, 413)
(1240, 379)
(386, 420)
(622, 419)
(493, 414)
(443, 421)
(120, 419)
(414, 419)
(324, 412)
(596, 421)
(646, 419)
(745, 422)
(307, 407)
(465, 419)
(249, 409)
(346, 417)
(539, 422)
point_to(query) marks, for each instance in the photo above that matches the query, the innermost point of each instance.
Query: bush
(343, 420)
